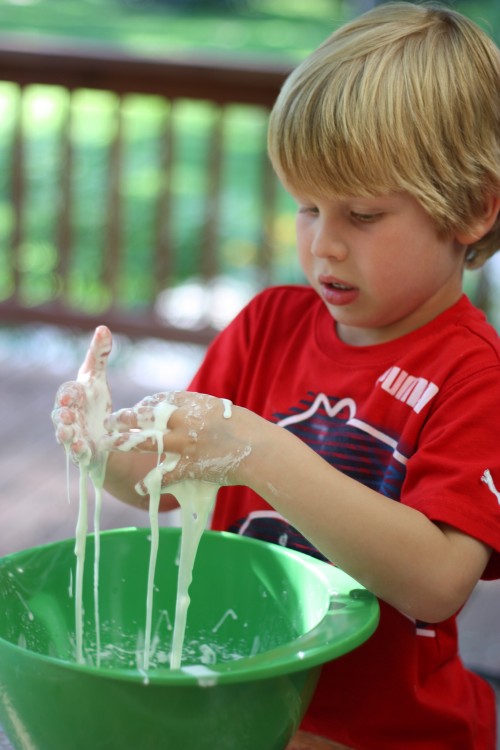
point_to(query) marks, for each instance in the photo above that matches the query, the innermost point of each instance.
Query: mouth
(338, 285)
(336, 292)
(331, 283)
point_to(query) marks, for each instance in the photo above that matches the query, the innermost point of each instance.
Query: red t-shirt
(417, 419)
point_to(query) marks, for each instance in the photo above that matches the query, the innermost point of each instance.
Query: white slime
(196, 499)
(98, 404)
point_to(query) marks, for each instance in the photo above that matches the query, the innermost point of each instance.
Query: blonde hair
(404, 98)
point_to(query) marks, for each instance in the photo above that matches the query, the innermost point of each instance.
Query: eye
(365, 218)
(308, 210)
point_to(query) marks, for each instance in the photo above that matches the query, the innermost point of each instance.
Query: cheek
(306, 263)
(406, 282)
(304, 252)
(382, 274)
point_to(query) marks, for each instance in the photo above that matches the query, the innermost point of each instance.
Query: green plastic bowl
(262, 620)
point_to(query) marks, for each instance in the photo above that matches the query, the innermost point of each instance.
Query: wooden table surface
(306, 741)
(301, 741)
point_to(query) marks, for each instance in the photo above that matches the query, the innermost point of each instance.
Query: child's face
(377, 263)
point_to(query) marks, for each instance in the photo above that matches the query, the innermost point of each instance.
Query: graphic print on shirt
(329, 426)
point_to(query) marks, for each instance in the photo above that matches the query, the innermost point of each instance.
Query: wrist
(260, 446)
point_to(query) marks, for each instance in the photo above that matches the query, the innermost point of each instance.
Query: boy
(366, 405)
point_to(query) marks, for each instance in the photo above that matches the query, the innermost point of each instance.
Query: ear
(483, 223)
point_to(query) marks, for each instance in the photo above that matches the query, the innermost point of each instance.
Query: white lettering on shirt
(488, 480)
(411, 390)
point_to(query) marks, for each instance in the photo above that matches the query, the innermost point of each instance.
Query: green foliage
(256, 27)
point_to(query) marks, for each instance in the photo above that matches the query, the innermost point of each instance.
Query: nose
(327, 242)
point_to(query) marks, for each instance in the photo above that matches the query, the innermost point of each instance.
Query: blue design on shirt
(329, 426)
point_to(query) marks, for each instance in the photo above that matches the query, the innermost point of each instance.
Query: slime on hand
(196, 500)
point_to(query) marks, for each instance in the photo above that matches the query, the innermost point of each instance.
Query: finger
(70, 394)
(122, 420)
(78, 449)
(64, 434)
(97, 355)
(142, 441)
(150, 413)
(64, 421)
(63, 416)
(80, 452)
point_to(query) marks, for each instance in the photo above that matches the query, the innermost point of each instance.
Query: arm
(424, 569)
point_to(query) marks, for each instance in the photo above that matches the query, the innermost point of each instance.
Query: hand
(82, 405)
(198, 437)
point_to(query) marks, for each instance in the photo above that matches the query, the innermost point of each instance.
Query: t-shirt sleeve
(454, 475)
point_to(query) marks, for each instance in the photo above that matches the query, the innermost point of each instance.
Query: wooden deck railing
(76, 69)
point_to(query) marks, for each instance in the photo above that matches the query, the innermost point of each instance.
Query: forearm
(392, 549)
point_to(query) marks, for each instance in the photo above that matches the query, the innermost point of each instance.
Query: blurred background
(135, 190)
(95, 172)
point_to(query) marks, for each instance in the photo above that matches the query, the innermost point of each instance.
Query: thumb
(94, 364)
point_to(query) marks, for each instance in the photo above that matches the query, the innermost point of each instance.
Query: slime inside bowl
(262, 620)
